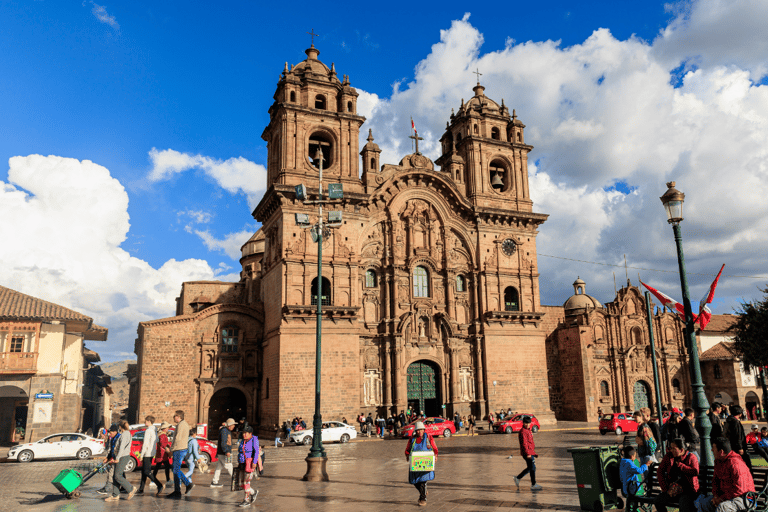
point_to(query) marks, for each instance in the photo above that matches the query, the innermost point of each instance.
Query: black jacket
(717, 426)
(689, 433)
(734, 431)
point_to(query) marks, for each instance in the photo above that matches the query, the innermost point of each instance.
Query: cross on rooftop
(312, 33)
(479, 74)
(416, 137)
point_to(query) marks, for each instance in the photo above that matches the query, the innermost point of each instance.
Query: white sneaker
(511, 456)
(517, 481)
(535, 487)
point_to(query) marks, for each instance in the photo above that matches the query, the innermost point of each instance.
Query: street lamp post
(673, 204)
(317, 460)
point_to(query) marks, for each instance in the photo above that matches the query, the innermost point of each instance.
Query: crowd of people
(166, 447)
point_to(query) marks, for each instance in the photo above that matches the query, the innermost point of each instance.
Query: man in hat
(163, 456)
(224, 452)
(179, 449)
(248, 456)
(112, 437)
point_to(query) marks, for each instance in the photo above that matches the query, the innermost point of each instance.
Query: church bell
(496, 181)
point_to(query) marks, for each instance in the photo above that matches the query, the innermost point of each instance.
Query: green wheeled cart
(68, 481)
(597, 477)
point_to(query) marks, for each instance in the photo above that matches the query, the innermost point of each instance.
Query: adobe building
(41, 366)
(430, 286)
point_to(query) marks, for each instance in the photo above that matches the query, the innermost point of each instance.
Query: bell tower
(484, 149)
(313, 110)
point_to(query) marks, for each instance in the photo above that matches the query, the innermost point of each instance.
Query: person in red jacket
(731, 482)
(528, 451)
(678, 476)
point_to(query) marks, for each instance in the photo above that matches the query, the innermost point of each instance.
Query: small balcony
(18, 362)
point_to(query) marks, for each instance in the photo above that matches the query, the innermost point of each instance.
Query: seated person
(678, 477)
(761, 446)
(731, 481)
(631, 475)
(754, 436)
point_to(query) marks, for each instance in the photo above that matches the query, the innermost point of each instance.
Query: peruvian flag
(413, 126)
(668, 301)
(705, 314)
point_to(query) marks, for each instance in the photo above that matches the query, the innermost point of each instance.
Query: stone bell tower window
(495, 133)
(498, 175)
(511, 299)
(325, 292)
(320, 102)
(322, 141)
(293, 97)
(350, 108)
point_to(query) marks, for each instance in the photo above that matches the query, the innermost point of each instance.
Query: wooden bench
(652, 490)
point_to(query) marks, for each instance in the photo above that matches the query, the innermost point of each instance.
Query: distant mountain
(117, 369)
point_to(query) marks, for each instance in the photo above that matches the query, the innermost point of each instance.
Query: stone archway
(225, 403)
(13, 412)
(424, 387)
(751, 403)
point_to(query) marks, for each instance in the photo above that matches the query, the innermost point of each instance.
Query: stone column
(401, 392)
(479, 387)
(387, 375)
(454, 374)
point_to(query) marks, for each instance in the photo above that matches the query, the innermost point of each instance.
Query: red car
(433, 426)
(618, 422)
(207, 449)
(515, 424)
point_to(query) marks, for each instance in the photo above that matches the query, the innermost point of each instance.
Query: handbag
(675, 489)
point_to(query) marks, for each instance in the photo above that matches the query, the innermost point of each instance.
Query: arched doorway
(642, 395)
(225, 403)
(423, 380)
(13, 414)
(751, 402)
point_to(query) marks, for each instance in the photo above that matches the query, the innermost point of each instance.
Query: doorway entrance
(752, 402)
(424, 388)
(642, 395)
(225, 403)
(13, 414)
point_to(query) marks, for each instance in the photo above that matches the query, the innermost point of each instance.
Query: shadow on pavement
(39, 498)
(512, 504)
(345, 499)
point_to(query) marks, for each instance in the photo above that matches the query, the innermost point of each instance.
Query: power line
(640, 268)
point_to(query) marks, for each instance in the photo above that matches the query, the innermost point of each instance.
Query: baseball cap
(113, 428)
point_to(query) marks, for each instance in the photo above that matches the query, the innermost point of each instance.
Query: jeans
(761, 451)
(224, 462)
(119, 479)
(178, 475)
(530, 468)
(733, 505)
(191, 467)
(684, 502)
(146, 473)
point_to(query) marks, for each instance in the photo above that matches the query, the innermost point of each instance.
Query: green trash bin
(597, 477)
(67, 481)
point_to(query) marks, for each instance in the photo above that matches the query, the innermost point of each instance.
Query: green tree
(750, 339)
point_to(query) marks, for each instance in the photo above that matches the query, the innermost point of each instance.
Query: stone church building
(430, 287)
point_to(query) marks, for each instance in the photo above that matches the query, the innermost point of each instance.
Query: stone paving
(473, 474)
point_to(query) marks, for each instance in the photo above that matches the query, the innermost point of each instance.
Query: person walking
(193, 453)
(148, 452)
(163, 457)
(420, 442)
(381, 424)
(111, 439)
(179, 450)
(471, 421)
(528, 451)
(247, 457)
(224, 451)
(122, 455)
(277, 437)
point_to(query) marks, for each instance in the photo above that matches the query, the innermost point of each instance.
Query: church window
(476, 131)
(349, 107)
(370, 279)
(637, 336)
(718, 372)
(604, 391)
(498, 175)
(511, 299)
(373, 164)
(320, 102)
(519, 137)
(293, 96)
(676, 385)
(460, 284)
(495, 134)
(322, 141)
(325, 292)
(420, 282)
(229, 339)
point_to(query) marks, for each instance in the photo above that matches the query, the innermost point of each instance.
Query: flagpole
(655, 366)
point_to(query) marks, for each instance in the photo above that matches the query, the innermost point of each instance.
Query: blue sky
(147, 118)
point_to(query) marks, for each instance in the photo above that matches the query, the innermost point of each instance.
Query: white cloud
(196, 216)
(235, 175)
(605, 111)
(103, 16)
(63, 223)
(229, 245)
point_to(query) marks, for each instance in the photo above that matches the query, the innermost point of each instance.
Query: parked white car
(78, 446)
(332, 431)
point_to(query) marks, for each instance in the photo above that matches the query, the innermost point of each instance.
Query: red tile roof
(720, 351)
(18, 306)
(721, 323)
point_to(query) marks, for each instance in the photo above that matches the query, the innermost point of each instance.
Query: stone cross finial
(416, 137)
(479, 74)
(312, 33)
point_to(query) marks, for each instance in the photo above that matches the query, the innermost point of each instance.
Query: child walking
(528, 451)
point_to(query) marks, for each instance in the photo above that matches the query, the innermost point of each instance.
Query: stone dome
(580, 302)
(311, 66)
(483, 101)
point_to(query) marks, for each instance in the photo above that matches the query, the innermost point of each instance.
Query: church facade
(429, 288)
